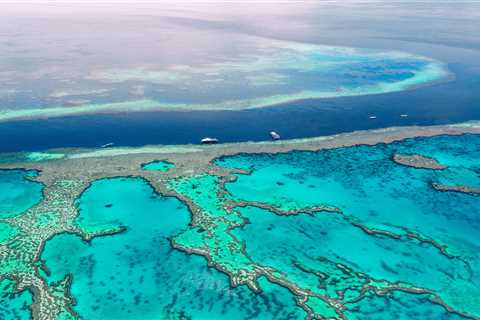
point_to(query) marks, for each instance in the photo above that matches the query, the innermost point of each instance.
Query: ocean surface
(203, 58)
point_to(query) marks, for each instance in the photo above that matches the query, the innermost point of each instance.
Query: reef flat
(322, 228)
(264, 73)
(465, 189)
(417, 161)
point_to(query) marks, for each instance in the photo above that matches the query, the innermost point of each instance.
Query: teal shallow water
(294, 244)
(14, 306)
(6, 231)
(399, 306)
(366, 184)
(158, 165)
(137, 275)
(17, 194)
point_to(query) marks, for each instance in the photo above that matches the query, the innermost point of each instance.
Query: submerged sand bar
(270, 72)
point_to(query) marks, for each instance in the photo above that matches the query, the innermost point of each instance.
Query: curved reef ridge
(268, 72)
(322, 228)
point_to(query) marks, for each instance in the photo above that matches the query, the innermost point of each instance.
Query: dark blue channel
(451, 102)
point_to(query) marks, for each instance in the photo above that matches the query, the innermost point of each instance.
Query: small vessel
(372, 117)
(106, 145)
(209, 140)
(274, 135)
(404, 115)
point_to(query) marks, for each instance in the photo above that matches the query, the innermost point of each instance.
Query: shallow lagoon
(136, 274)
(124, 275)
(14, 306)
(158, 165)
(371, 189)
(301, 247)
(400, 306)
(17, 194)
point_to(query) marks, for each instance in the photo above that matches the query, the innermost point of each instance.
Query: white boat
(372, 117)
(274, 135)
(209, 140)
(404, 115)
(107, 145)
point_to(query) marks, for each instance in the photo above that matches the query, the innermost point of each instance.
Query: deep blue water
(444, 103)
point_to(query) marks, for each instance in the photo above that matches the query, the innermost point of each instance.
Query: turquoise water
(159, 165)
(291, 244)
(6, 232)
(368, 187)
(400, 306)
(17, 194)
(14, 306)
(137, 275)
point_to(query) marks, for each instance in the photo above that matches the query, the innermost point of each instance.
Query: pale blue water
(17, 194)
(137, 275)
(257, 72)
